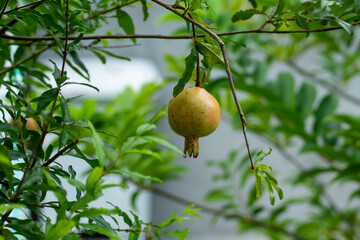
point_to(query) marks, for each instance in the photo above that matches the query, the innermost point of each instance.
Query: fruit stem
(191, 146)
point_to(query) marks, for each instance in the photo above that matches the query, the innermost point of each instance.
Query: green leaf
(104, 230)
(93, 178)
(346, 26)
(84, 84)
(10, 206)
(190, 210)
(260, 71)
(219, 195)
(258, 185)
(190, 62)
(253, 3)
(60, 229)
(144, 152)
(4, 160)
(76, 183)
(72, 45)
(179, 234)
(163, 142)
(98, 144)
(357, 6)
(95, 212)
(57, 74)
(49, 21)
(63, 137)
(145, 9)
(4, 50)
(45, 99)
(326, 108)
(302, 21)
(306, 99)
(243, 15)
(280, 7)
(261, 155)
(135, 175)
(285, 87)
(145, 128)
(99, 55)
(79, 63)
(113, 55)
(126, 23)
(195, 4)
(211, 52)
(270, 190)
(15, 155)
(132, 142)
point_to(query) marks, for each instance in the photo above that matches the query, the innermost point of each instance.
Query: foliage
(283, 108)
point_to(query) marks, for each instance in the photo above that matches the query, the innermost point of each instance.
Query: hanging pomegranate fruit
(193, 113)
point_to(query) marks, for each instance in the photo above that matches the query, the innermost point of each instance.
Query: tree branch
(319, 186)
(111, 9)
(65, 53)
(159, 36)
(12, 22)
(5, 70)
(61, 152)
(267, 20)
(221, 213)
(333, 88)
(227, 67)
(32, 5)
(3, 10)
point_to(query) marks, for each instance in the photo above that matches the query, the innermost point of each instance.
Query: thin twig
(15, 65)
(14, 21)
(269, 16)
(179, 37)
(61, 152)
(65, 53)
(197, 80)
(3, 10)
(32, 5)
(219, 212)
(227, 67)
(111, 9)
(321, 188)
(333, 88)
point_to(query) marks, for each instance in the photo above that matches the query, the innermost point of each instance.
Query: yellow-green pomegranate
(193, 113)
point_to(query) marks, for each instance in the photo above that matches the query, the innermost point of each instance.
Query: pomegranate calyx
(191, 146)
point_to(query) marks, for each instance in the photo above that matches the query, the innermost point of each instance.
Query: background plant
(282, 108)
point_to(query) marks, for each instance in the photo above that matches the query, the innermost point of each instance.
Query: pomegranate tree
(193, 113)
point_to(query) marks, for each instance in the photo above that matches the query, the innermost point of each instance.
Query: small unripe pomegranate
(30, 124)
(193, 113)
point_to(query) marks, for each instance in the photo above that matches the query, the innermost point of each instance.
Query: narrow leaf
(306, 99)
(253, 3)
(84, 84)
(76, 59)
(98, 144)
(114, 55)
(163, 142)
(243, 15)
(60, 229)
(190, 62)
(145, 128)
(261, 155)
(136, 175)
(346, 26)
(145, 9)
(126, 23)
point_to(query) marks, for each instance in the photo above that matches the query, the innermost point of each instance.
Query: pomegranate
(30, 124)
(193, 113)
